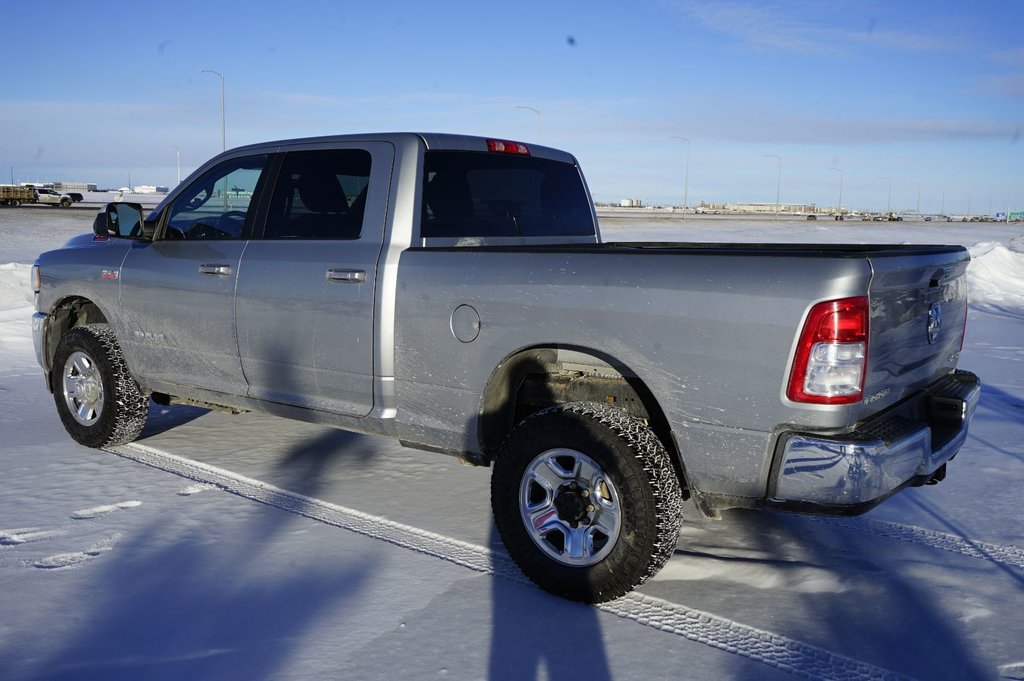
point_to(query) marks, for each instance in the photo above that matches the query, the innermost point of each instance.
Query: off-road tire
(635, 463)
(123, 406)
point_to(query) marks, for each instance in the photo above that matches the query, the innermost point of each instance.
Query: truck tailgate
(918, 314)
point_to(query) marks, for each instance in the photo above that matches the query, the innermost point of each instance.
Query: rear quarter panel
(709, 335)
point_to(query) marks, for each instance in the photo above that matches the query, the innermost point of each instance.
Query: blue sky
(926, 95)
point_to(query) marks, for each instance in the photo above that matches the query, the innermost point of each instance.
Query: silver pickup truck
(454, 292)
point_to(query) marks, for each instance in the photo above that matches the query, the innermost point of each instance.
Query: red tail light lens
(506, 147)
(831, 355)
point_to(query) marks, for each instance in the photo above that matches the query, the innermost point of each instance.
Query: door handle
(346, 276)
(215, 270)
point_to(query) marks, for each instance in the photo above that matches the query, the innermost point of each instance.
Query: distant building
(631, 203)
(74, 186)
(771, 207)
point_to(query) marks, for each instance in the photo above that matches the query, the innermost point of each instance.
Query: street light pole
(840, 190)
(942, 208)
(686, 178)
(177, 153)
(223, 125)
(888, 201)
(778, 186)
(530, 108)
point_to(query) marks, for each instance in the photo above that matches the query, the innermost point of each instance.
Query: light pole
(223, 126)
(177, 154)
(942, 207)
(778, 186)
(530, 108)
(918, 201)
(686, 178)
(888, 201)
(840, 210)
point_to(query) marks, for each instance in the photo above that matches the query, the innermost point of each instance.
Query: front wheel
(586, 501)
(99, 402)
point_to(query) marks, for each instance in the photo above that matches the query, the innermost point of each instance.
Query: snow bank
(15, 287)
(15, 317)
(996, 273)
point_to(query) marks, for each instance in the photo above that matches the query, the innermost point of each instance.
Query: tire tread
(125, 409)
(600, 582)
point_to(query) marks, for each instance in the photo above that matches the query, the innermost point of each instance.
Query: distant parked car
(812, 216)
(52, 197)
(75, 197)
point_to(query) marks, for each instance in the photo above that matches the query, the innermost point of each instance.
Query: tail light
(506, 147)
(832, 354)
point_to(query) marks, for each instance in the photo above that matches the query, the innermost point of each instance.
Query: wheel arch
(65, 315)
(534, 378)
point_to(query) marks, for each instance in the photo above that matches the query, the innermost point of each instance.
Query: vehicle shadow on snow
(532, 635)
(945, 521)
(1000, 406)
(536, 635)
(216, 599)
(844, 591)
(164, 418)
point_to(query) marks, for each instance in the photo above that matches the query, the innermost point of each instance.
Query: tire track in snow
(997, 553)
(99, 511)
(26, 535)
(774, 650)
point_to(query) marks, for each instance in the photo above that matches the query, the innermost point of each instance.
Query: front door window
(216, 206)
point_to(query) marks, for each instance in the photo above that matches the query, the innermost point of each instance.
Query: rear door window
(320, 194)
(479, 194)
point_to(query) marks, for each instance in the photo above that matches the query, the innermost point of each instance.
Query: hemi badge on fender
(111, 274)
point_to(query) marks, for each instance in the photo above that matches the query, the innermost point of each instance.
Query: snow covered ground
(249, 547)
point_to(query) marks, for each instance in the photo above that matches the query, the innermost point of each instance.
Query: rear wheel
(65, 203)
(99, 402)
(586, 501)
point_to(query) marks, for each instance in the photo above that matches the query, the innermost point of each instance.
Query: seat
(323, 197)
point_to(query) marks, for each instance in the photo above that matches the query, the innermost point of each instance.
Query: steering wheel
(200, 230)
(232, 222)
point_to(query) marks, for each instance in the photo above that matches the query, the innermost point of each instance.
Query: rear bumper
(851, 472)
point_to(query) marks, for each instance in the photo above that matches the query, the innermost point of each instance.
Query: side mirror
(120, 220)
